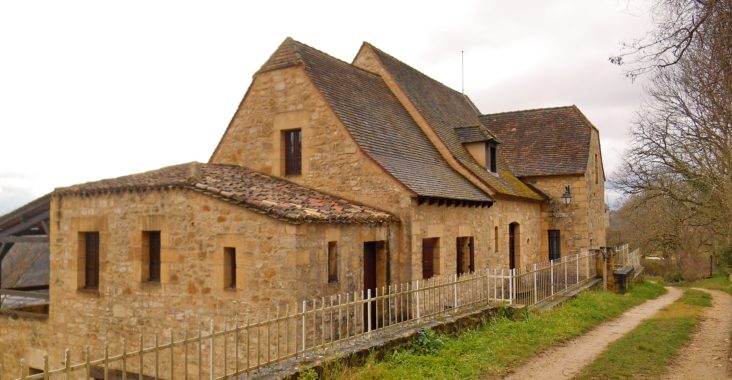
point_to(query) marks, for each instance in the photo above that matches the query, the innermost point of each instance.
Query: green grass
(501, 343)
(649, 348)
(716, 282)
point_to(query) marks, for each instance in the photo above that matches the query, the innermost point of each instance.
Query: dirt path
(566, 361)
(706, 356)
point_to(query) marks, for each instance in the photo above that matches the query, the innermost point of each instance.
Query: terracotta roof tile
(381, 126)
(244, 187)
(446, 111)
(548, 141)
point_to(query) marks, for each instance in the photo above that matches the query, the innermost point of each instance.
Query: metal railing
(628, 258)
(317, 326)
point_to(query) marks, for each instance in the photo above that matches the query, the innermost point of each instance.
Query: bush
(427, 342)
(673, 277)
(725, 258)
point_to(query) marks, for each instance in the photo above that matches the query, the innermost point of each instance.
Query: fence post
(45, 368)
(212, 370)
(304, 308)
(536, 288)
(416, 295)
(551, 275)
(510, 285)
(368, 311)
(454, 290)
(22, 368)
(67, 363)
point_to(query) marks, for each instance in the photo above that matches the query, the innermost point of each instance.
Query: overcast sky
(93, 89)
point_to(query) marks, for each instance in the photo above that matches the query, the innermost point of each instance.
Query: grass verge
(649, 348)
(716, 282)
(499, 344)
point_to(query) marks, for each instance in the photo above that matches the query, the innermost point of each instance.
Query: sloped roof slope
(446, 111)
(378, 123)
(541, 142)
(271, 196)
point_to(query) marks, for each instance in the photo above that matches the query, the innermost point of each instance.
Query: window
(332, 261)
(555, 247)
(91, 260)
(597, 172)
(151, 255)
(490, 156)
(495, 239)
(230, 267)
(293, 151)
(429, 250)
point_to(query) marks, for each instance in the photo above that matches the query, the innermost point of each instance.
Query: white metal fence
(326, 324)
(628, 258)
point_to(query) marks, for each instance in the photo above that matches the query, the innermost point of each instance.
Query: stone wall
(277, 264)
(582, 223)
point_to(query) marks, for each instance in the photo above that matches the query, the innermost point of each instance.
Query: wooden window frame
(151, 256)
(495, 239)
(91, 260)
(491, 160)
(435, 257)
(292, 143)
(332, 262)
(230, 268)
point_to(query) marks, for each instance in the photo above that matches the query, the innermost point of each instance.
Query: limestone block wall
(449, 223)
(570, 220)
(583, 222)
(331, 160)
(277, 264)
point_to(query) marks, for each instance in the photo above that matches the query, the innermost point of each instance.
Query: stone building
(331, 177)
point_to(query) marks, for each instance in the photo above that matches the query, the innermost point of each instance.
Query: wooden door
(555, 248)
(428, 257)
(471, 245)
(369, 280)
(512, 246)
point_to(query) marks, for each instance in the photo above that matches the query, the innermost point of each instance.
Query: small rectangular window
(492, 156)
(293, 151)
(91, 260)
(495, 239)
(332, 261)
(230, 267)
(597, 172)
(151, 255)
(430, 248)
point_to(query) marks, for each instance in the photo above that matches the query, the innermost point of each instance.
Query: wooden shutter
(293, 152)
(154, 255)
(428, 258)
(91, 260)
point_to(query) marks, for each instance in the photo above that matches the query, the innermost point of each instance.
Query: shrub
(427, 342)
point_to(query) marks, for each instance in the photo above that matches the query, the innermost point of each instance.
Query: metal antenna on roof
(462, 71)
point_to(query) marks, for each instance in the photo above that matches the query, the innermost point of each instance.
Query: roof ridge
(530, 110)
(421, 73)
(316, 50)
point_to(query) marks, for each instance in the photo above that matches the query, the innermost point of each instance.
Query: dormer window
(491, 162)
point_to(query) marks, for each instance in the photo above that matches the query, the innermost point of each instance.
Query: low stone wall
(384, 342)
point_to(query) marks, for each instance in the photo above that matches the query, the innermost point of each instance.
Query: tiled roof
(472, 134)
(548, 141)
(244, 187)
(379, 124)
(447, 110)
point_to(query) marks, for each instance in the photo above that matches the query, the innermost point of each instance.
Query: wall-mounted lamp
(567, 196)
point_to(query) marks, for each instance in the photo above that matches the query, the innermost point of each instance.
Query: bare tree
(682, 143)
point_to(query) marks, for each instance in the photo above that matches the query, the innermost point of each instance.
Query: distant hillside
(27, 264)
